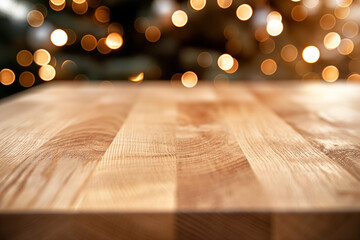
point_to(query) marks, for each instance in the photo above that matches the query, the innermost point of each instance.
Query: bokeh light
(59, 37)
(346, 46)
(289, 53)
(268, 66)
(225, 62)
(204, 59)
(274, 27)
(234, 67)
(114, 41)
(26, 79)
(350, 29)
(137, 78)
(79, 7)
(47, 72)
(102, 14)
(330, 73)
(57, 5)
(224, 3)
(7, 76)
(197, 4)
(332, 40)
(179, 18)
(299, 13)
(42, 57)
(102, 47)
(88, 42)
(244, 12)
(152, 34)
(35, 18)
(311, 54)
(327, 21)
(24, 58)
(189, 79)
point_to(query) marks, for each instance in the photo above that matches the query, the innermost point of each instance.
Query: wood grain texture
(158, 161)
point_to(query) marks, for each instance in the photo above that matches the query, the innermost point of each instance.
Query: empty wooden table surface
(160, 161)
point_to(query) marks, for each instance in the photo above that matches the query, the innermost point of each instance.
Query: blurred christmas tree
(219, 40)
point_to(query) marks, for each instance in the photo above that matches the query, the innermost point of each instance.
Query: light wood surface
(159, 161)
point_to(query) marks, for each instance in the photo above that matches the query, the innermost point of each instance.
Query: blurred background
(177, 40)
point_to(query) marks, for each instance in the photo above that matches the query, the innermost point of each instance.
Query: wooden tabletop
(160, 161)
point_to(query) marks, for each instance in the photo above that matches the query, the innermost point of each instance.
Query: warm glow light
(115, 27)
(137, 78)
(26, 79)
(346, 47)
(7, 76)
(59, 37)
(57, 2)
(102, 47)
(57, 5)
(102, 14)
(224, 3)
(114, 41)
(268, 67)
(197, 4)
(41, 57)
(342, 12)
(88, 42)
(330, 73)
(204, 59)
(274, 15)
(344, 3)
(289, 53)
(71, 36)
(327, 21)
(234, 67)
(274, 27)
(332, 40)
(244, 12)
(225, 62)
(24, 58)
(35, 18)
(80, 8)
(299, 13)
(179, 18)
(350, 29)
(141, 24)
(152, 34)
(354, 77)
(311, 3)
(189, 79)
(47, 72)
(79, 1)
(311, 54)
(267, 46)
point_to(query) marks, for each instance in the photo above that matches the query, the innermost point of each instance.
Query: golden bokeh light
(204, 59)
(102, 14)
(274, 27)
(152, 34)
(268, 67)
(141, 24)
(311, 54)
(330, 73)
(42, 57)
(267, 46)
(344, 3)
(345, 47)
(137, 78)
(197, 4)
(47, 72)
(289, 53)
(224, 3)
(35, 18)
(244, 12)
(58, 2)
(225, 62)
(26, 79)
(79, 1)
(115, 28)
(102, 47)
(327, 21)
(24, 58)
(7, 76)
(350, 29)
(71, 36)
(79, 8)
(299, 13)
(114, 41)
(88, 42)
(341, 12)
(273, 15)
(189, 79)
(261, 34)
(179, 18)
(59, 37)
(354, 77)
(332, 40)
(234, 67)
(311, 3)
(57, 5)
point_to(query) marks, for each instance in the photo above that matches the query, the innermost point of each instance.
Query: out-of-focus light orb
(268, 67)
(311, 54)
(267, 46)
(137, 78)
(299, 13)
(327, 21)
(311, 3)
(354, 77)
(261, 34)
(26, 79)
(141, 24)
(350, 29)
(345, 47)
(204, 59)
(71, 36)
(114, 41)
(88, 42)
(224, 3)
(225, 62)
(102, 14)
(152, 34)
(330, 73)
(115, 28)
(57, 2)
(197, 4)
(24, 58)
(244, 12)
(58, 37)
(332, 40)
(179, 18)
(42, 57)
(234, 67)
(35, 18)
(79, 1)
(344, 3)
(102, 47)
(289, 53)
(7, 76)
(57, 5)
(189, 79)
(47, 72)
(295, 0)
(341, 12)
(80, 8)
(274, 27)
(273, 15)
